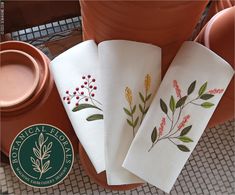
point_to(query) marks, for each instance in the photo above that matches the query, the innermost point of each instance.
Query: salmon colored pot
(43, 105)
(17, 66)
(218, 35)
(163, 23)
(100, 178)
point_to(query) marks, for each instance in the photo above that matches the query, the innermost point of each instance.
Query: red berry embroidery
(87, 95)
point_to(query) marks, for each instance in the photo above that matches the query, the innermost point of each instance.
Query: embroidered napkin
(131, 74)
(77, 79)
(178, 115)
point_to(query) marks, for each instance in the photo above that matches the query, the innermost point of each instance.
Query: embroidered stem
(132, 121)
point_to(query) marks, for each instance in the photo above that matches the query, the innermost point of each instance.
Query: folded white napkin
(178, 115)
(76, 74)
(131, 74)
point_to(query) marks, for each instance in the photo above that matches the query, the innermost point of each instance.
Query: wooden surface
(24, 14)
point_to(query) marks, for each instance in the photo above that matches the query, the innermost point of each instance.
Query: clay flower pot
(30, 96)
(17, 66)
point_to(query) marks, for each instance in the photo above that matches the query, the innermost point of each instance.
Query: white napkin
(131, 74)
(77, 79)
(157, 153)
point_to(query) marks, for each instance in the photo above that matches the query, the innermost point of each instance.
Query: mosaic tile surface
(209, 170)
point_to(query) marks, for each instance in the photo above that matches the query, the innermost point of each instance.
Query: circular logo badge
(41, 155)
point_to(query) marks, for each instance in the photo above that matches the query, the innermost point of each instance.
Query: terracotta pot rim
(33, 65)
(210, 25)
(45, 80)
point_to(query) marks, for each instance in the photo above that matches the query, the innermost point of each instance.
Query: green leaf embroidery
(146, 110)
(183, 148)
(202, 89)
(207, 105)
(185, 139)
(127, 111)
(206, 96)
(129, 122)
(84, 106)
(141, 108)
(148, 97)
(133, 110)
(163, 106)
(181, 101)
(154, 135)
(136, 122)
(172, 104)
(141, 96)
(191, 87)
(95, 117)
(185, 130)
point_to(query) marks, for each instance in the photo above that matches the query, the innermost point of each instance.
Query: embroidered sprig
(130, 111)
(146, 97)
(179, 129)
(84, 97)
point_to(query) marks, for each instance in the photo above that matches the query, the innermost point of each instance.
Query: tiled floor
(209, 170)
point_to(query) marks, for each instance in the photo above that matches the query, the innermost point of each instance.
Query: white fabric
(125, 64)
(68, 70)
(163, 163)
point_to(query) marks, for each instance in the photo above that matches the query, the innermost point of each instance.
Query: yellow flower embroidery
(147, 82)
(132, 119)
(128, 94)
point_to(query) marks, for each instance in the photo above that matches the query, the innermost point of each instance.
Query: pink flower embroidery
(162, 125)
(184, 121)
(216, 91)
(177, 88)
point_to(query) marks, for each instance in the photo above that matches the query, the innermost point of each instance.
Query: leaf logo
(42, 153)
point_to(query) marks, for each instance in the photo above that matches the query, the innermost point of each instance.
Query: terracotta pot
(43, 105)
(218, 35)
(100, 179)
(164, 23)
(17, 66)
